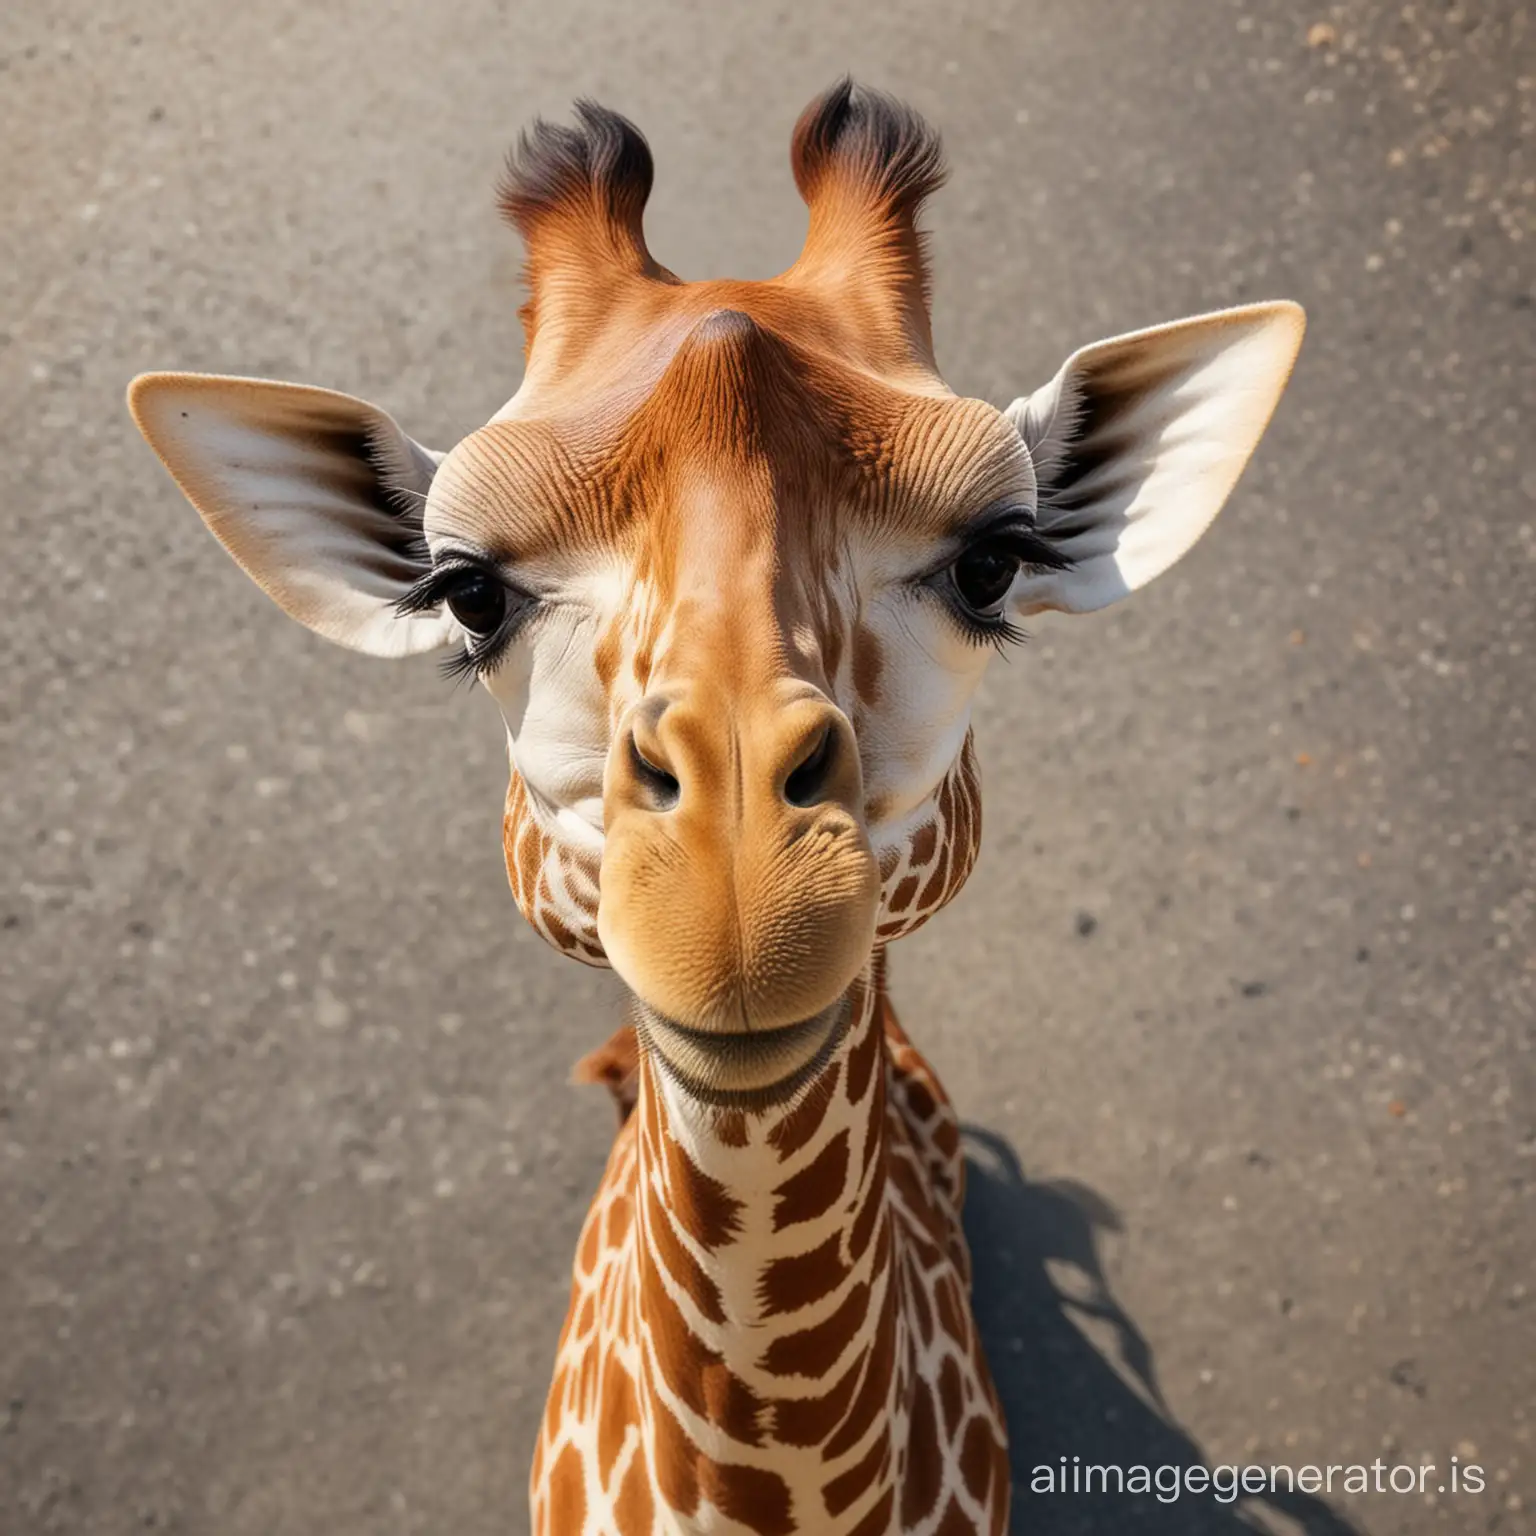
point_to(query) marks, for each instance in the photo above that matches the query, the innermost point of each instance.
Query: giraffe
(732, 561)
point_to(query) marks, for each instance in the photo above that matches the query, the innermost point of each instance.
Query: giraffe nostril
(807, 782)
(661, 786)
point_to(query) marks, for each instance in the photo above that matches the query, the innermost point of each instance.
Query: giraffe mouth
(750, 1070)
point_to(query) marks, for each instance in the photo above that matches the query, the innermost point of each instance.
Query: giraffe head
(732, 561)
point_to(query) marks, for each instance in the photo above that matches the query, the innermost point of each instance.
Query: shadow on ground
(1062, 1395)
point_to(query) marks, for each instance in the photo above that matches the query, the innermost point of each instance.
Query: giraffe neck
(764, 1293)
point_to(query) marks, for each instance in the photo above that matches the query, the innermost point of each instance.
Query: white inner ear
(1138, 441)
(318, 496)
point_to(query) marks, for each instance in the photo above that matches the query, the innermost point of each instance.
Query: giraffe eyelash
(479, 656)
(1032, 552)
(1000, 632)
(466, 664)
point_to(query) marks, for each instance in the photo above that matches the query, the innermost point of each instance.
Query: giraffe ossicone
(732, 561)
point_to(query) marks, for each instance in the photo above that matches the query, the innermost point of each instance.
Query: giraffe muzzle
(738, 891)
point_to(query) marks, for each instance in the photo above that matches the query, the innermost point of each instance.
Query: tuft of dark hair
(603, 162)
(873, 138)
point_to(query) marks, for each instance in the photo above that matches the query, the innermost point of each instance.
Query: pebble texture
(1241, 996)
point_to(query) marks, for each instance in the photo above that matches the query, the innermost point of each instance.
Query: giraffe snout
(738, 890)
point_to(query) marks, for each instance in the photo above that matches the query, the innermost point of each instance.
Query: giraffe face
(732, 562)
(736, 657)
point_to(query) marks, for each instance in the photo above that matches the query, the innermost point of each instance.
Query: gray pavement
(1241, 996)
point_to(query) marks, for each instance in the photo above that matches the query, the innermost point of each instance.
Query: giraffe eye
(478, 601)
(985, 572)
(489, 608)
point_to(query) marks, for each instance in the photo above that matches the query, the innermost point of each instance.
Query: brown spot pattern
(864, 1224)
(567, 1492)
(797, 1128)
(731, 1127)
(951, 1400)
(684, 1269)
(814, 1351)
(758, 1499)
(703, 1205)
(676, 1461)
(955, 1522)
(923, 1474)
(615, 1415)
(848, 1487)
(555, 887)
(807, 1421)
(798, 1279)
(878, 1521)
(873, 1393)
(634, 1509)
(861, 1065)
(977, 1452)
(867, 665)
(695, 1374)
(813, 1191)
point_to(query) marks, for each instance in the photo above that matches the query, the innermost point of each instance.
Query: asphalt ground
(1240, 999)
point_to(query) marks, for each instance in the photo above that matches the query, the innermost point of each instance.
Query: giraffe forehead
(740, 437)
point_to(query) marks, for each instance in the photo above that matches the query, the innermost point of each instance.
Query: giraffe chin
(752, 1071)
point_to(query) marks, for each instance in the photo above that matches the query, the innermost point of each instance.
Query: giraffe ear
(1139, 440)
(318, 497)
